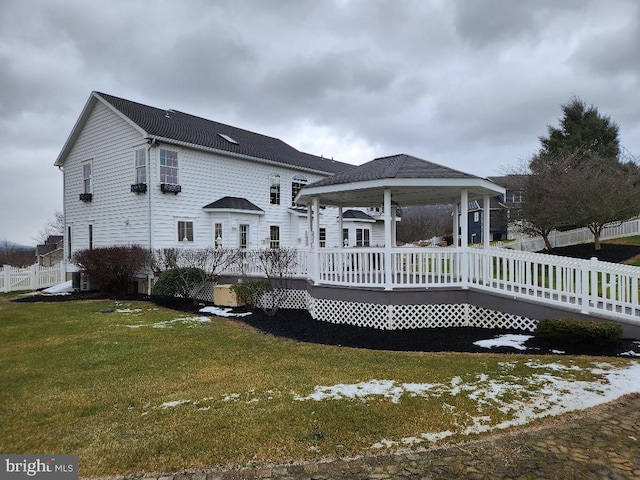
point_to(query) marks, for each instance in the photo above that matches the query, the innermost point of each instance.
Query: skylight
(228, 138)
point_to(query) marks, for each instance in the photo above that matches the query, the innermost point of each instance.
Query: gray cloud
(468, 84)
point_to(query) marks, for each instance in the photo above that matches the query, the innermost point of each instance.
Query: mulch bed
(298, 325)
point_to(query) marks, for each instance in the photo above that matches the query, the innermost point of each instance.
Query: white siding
(118, 216)
(207, 177)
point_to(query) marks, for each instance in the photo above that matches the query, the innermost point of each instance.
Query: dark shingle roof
(179, 126)
(396, 166)
(357, 215)
(233, 203)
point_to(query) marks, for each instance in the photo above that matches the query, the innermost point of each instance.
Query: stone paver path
(601, 443)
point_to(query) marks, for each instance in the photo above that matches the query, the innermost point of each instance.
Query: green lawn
(635, 240)
(140, 389)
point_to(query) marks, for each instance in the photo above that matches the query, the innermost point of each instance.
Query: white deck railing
(583, 285)
(587, 286)
(30, 278)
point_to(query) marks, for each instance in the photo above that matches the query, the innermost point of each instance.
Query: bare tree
(15, 255)
(54, 226)
(424, 222)
(571, 190)
(600, 193)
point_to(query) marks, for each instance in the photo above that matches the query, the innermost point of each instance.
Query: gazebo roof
(412, 181)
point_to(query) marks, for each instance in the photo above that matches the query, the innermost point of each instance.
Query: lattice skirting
(395, 317)
(298, 299)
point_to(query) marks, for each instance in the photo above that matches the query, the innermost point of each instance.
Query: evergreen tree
(582, 133)
(578, 179)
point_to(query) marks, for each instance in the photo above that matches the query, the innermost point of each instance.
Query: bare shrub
(278, 265)
(113, 269)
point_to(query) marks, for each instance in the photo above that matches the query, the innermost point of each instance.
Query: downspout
(65, 254)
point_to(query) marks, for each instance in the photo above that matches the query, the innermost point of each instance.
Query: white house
(135, 174)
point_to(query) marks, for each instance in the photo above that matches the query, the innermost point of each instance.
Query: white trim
(480, 183)
(233, 210)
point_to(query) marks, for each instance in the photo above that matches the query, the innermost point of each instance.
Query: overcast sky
(470, 84)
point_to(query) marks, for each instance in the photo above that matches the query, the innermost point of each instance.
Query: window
(141, 166)
(244, 235)
(516, 197)
(296, 185)
(345, 237)
(274, 236)
(90, 237)
(168, 167)
(362, 237)
(217, 235)
(86, 174)
(69, 243)
(476, 217)
(185, 231)
(323, 237)
(274, 189)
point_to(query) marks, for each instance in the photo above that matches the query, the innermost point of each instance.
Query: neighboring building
(51, 252)
(135, 174)
(513, 199)
(498, 224)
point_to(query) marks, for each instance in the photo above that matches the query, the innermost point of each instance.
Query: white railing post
(586, 273)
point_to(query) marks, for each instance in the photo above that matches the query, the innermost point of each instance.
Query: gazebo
(395, 181)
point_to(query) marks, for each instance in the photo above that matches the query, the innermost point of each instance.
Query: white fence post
(33, 277)
(6, 271)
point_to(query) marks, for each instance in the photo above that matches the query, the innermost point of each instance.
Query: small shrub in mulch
(575, 331)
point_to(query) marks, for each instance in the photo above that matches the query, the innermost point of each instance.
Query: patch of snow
(175, 403)
(630, 353)
(548, 396)
(129, 310)
(169, 323)
(222, 312)
(63, 288)
(509, 340)
(384, 443)
(362, 391)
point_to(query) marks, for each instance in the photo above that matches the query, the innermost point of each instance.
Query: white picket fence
(573, 237)
(30, 278)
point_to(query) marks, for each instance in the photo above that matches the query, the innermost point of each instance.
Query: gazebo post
(340, 228)
(464, 217)
(456, 225)
(314, 213)
(464, 243)
(486, 221)
(388, 240)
